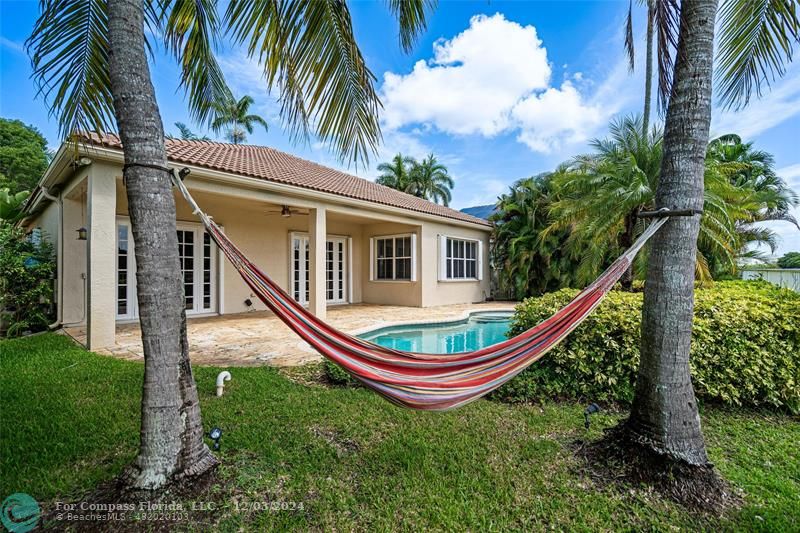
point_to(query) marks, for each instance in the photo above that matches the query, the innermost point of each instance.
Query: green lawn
(69, 419)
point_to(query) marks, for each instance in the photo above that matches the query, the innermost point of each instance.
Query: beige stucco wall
(263, 235)
(71, 253)
(435, 292)
(74, 267)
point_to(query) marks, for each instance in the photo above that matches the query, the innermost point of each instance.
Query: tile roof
(268, 164)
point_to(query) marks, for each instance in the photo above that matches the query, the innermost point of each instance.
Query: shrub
(26, 282)
(745, 348)
(338, 376)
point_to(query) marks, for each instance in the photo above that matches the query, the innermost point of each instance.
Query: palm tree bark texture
(171, 443)
(664, 415)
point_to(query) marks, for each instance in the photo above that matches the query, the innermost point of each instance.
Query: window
(461, 259)
(198, 263)
(393, 258)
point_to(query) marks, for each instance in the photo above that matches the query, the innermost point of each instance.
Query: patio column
(101, 200)
(317, 237)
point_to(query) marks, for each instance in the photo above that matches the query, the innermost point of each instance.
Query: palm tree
(232, 116)
(630, 49)
(602, 193)
(754, 170)
(526, 261)
(90, 59)
(429, 179)
(188, 135)
(755, 42)
(395, 173)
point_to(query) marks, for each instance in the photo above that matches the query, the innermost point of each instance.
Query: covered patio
(260, 338)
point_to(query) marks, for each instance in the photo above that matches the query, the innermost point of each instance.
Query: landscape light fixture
(215, 434)
(593, 408)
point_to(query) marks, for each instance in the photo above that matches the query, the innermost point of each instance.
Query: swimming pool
(481, 329)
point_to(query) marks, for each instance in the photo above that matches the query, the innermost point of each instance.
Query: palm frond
(69, 53)
(412, 17)
(308, 50)
(756, 40)
(190, 35)
(666, 19)
(629, 48)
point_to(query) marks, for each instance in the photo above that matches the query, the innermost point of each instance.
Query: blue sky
(497, 90)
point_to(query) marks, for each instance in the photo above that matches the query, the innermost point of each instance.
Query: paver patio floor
(260, 338)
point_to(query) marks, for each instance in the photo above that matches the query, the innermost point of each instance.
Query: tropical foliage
(525, 259)
(745, 348)
(789, 260)
(11, 204)
(590, 205)
(233, 117)
(307, 50)
(23, 156)
(427, 179)
(27, 270)
(185, 133)
(395, 173)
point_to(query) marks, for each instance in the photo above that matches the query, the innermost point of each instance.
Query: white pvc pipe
(222, 377)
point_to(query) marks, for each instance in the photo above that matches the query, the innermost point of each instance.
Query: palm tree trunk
(648, 69)
(171, 431)
(664, 414)
(626, 281)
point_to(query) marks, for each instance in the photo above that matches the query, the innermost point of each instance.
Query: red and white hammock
(418, 380)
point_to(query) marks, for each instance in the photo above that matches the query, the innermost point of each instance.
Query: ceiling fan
(285, 211)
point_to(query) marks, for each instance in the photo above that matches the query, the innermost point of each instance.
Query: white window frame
(443, 259)
(373, 258)
(130, 295)
(215, 274)
(346, 241)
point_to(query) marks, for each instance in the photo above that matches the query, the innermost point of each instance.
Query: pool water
(478, 331)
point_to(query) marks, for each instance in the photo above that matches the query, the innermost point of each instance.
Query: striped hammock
(433, 382)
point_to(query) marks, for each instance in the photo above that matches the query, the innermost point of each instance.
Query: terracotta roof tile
(266, 163)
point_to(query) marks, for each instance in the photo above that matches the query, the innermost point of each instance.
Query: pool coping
(463, 317)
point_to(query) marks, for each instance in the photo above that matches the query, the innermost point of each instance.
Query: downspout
(60, 258)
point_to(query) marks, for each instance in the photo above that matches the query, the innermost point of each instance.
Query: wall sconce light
(81, 234)
(286, 212)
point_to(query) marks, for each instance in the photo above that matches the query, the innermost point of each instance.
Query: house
(327, 237)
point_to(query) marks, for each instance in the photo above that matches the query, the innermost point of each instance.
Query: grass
(69, 420)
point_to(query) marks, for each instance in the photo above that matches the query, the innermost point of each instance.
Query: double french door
(198, 262)
(335, 269)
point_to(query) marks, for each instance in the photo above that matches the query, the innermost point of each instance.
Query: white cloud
(12, 45)
(472, 81)
(494, 78)
(790, 173)
(557, 116)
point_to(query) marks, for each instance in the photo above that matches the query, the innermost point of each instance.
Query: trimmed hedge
(745, 348)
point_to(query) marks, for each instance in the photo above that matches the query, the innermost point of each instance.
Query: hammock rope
(417, 380)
